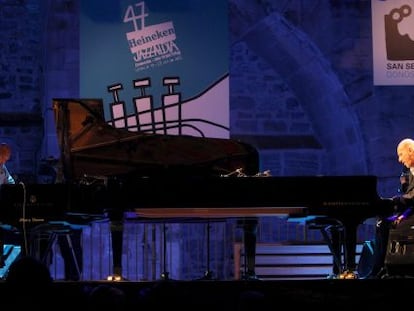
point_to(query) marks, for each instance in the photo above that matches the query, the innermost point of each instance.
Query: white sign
(393, 42)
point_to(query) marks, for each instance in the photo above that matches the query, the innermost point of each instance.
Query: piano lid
(91, 147)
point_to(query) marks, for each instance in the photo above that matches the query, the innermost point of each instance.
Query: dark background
(301, 81)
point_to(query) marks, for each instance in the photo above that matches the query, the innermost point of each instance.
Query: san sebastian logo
(151, 45)
(399, 47)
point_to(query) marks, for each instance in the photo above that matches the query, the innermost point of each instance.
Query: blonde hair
(5, 153)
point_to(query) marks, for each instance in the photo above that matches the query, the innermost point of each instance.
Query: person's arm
(404, 180)
(9, 177)
(406, 190)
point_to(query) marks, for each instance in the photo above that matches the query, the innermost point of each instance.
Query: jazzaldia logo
(151, 45)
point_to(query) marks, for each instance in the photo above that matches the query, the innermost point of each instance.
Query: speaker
(399, 259)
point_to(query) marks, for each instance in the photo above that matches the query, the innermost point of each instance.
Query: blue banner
(160, 66)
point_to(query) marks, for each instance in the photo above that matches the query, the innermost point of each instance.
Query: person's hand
(398, 220)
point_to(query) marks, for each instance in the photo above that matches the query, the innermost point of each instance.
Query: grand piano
(116, 172)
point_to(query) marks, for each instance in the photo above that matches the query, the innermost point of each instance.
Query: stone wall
(296, 68)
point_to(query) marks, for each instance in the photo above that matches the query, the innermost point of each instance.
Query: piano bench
(332, 231)
(51, 232)
(52, 227)
(323, 222)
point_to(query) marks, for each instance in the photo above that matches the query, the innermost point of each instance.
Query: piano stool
(333, 234)
(51, 232)
(328, 227)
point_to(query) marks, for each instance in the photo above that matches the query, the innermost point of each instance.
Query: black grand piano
(105, 170)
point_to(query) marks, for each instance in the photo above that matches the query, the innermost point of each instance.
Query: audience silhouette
(106, 297)
(29, 283)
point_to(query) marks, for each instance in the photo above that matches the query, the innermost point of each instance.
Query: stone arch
(294, 56)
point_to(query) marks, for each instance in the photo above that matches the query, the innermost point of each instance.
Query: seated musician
(403, 204)
(5, 178)
(5, 154)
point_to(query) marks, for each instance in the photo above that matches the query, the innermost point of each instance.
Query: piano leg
(117, 229)
(335, 242)
(116, 220)
(340, 235)
(350, 242)
(249, 226)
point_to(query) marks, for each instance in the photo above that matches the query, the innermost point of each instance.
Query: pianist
(5, 178)
(5, 154)
(405, 199)
(403, 205)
